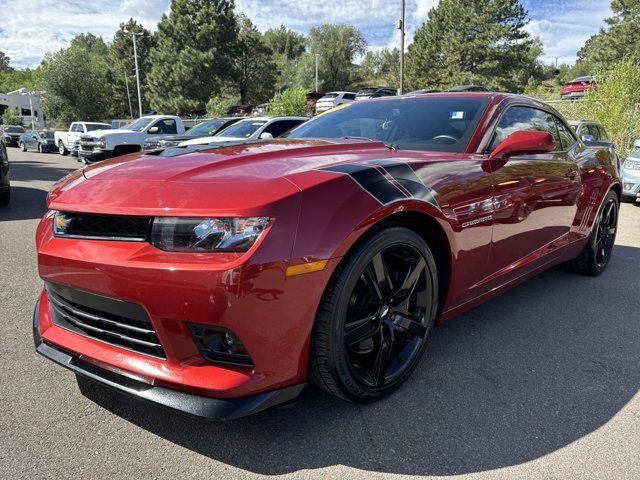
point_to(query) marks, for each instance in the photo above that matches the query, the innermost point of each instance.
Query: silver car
(631, 176)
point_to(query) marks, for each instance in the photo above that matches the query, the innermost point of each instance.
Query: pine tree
(192, 59)
(479, 42)
(288, 46)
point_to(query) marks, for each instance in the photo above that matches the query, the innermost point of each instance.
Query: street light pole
(33, 124)
(135, 58)
(317, 57)
(126, 81)
(401, 27)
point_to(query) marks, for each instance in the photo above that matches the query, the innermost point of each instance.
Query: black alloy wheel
(606, 231)
(596, 254)
(376, 315)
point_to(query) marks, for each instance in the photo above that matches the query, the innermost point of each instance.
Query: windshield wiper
(390, 146)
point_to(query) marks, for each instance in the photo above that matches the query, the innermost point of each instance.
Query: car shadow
(26, 203)
(517, 378)
(30, 170)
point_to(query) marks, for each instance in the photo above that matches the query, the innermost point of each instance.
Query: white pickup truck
(103, 144)
(65, 140)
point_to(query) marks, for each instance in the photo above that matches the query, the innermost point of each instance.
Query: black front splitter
(196, 405)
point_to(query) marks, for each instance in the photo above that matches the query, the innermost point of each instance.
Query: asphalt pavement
(541, 382)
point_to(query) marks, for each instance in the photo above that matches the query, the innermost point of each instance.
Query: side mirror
(524, 142)
(587, 138)
(154, 130)
(266, 136)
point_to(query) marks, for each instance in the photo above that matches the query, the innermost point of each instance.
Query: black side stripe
(371, 180)
(407, 177)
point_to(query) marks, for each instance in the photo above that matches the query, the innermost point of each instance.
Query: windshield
(242, 129)
(433, 123)
(138, 125)
(46, 134)
(97, 126)
(328, 96)
(14, 129)
(206, 128)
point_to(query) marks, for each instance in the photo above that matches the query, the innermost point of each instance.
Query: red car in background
(218, 281)
(577, 87)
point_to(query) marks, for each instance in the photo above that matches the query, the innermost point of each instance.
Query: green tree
(337, 47)
(219, 105)
(292, 101)
(616, 104)
(618, 40)
(254, 66)
(381, 67)
(11, 117)
(192, 59)
(287, 46)
(77, 82)
(121, 63)
(4, 63)
(474, 42)
(27, 78)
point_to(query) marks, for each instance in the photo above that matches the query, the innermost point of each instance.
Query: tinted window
(567, 138)
(242, 129)
(139, 124)
(279, 127)
(603, 134)
(349, 96)
(11, 129)
(328, 96)
(96, 126)
(76, 127)
(206, 128)
(46, 134)
(525, 118)
(430, 123)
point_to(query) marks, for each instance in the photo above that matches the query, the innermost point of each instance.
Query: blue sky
(37, 26)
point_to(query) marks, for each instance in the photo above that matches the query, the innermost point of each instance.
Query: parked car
(221, 282)
(41, 140)
(631, 176)
(10, 134)
(206, 128)
(333, 99)
(65, 140)
(375, 92)
(248, 129)
(422, 91)
(467, 88)
(5, 184)
(576, 87)
(103, 144)
(591, 132)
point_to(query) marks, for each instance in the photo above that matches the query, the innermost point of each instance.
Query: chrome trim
(94, 237)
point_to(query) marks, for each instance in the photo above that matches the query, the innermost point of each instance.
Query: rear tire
(595, 256)
(62, 150)
(5, 197)
(375, 316)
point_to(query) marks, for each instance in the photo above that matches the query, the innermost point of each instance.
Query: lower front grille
(108, 320)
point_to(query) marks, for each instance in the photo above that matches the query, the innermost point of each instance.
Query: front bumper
(631, 183)
(95, 155)
(572, 95)
(196, 405)
(11, 141)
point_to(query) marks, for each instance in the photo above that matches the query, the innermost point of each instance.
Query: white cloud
(39, 26)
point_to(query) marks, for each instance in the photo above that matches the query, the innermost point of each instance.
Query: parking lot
(541, 382)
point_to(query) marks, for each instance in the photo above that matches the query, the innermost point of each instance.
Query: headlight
(100, 142)
(180, 234)
(155, 144)
(631, 164)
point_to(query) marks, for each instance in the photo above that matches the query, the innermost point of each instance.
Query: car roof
(266, 119)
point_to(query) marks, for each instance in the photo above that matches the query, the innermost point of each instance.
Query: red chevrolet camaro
(219, 280)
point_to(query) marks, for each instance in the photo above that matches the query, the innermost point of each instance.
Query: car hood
(213, 139)
(228, 180)
(108, 132)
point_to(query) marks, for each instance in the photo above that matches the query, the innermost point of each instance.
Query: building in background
(22, 101)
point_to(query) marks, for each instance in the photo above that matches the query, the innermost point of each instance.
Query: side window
(603, 134)
(567, 138)
(594, 132)
(279, 127)
(167, 126)
(525, 118)
(349, 96)
(74, 127)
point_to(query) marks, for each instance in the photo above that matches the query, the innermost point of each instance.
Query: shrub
(11, 117)
(293, 101)
(616, 104)
(219, 105)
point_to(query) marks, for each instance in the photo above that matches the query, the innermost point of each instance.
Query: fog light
(218, 344)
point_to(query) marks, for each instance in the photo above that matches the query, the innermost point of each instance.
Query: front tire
(62, 150)
(375, 316)
(595, 256)
(22, 146)
(40, 148)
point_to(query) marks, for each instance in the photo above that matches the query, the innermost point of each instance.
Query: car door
(535, 196)
(31, 138)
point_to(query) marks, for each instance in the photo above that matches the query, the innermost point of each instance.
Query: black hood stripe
(371, 180)
(408, 179)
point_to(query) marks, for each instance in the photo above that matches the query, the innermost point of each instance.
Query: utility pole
(126, 81)
(317, 58)
(400, 26)
(33, 124)
(135, 58)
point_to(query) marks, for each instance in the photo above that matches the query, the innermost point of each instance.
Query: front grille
(108, 227)
(108, 320)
